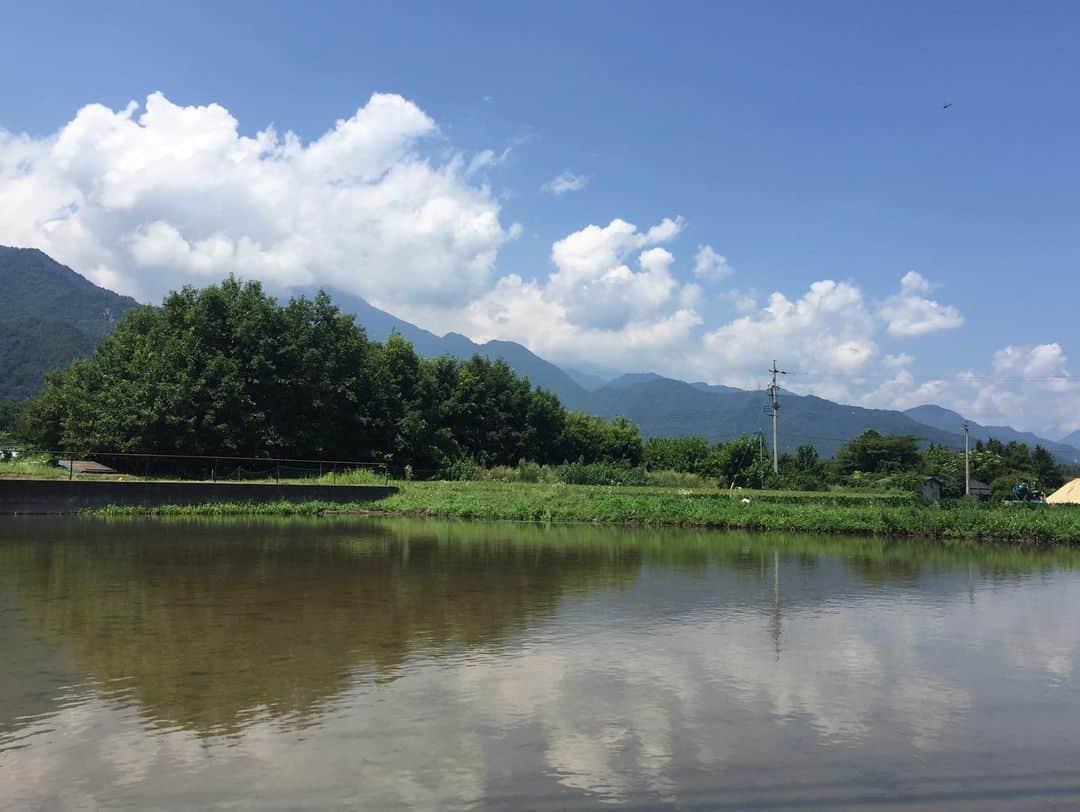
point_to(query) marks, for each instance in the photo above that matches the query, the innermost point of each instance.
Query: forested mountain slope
(49, 316)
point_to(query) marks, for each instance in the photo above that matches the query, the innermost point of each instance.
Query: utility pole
(967, 461)
(773, 389)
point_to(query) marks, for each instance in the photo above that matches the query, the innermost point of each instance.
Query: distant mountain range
(380, 325)
(948, 420)
(662, 406)
(51, 315)
(1073, 439)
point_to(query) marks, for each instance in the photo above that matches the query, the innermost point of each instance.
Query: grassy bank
(857, 514)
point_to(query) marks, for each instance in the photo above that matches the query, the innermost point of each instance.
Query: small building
(980, 489)
(85, 467)
(931, 489)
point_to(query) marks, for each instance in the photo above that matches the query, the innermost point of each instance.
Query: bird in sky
(947, 106)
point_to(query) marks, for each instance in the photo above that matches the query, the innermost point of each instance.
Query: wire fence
(212, 468)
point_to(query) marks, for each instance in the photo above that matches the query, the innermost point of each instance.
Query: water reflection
(426, 665)
(205, 625)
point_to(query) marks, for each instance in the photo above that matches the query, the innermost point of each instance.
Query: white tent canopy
(1067, 494)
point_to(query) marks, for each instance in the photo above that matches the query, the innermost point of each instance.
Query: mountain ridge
(56, 315)
(940, 417)
(379, 325)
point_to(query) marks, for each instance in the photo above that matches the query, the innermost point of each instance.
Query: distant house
(980, 489)
(931, 489)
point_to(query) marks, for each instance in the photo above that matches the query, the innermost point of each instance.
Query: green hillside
(49, 316)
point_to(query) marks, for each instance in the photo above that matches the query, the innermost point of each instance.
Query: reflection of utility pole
(775, 625)
(773, 389)
(967, 460)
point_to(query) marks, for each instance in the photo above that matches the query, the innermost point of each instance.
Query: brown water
(419, 665)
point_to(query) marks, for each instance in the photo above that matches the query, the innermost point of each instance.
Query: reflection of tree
(208, 622)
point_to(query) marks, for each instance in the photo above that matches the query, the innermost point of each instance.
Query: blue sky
(800, 143)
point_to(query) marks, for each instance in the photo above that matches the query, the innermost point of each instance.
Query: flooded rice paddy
(399, 664)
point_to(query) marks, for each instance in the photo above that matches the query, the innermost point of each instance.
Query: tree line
(228, 371)
(870, 461)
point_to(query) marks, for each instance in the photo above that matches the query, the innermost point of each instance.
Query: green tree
(592, 439)
(804, 471)
(871, 452)
(9, 416)
(738, 462)
(689, 454)
(1048, 473)
(228, 371)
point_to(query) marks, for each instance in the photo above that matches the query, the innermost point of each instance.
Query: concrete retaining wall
(64, 496)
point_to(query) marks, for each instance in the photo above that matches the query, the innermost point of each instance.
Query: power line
(857, 376)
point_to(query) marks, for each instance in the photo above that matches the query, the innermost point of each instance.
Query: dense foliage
(870, 461)
(226, 370)
(740, 462)
(873, 460)
(1000, 465)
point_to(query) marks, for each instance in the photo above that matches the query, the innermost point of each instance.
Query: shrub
(459, 470)
(601, 473)
(677, 479)
(528, 471)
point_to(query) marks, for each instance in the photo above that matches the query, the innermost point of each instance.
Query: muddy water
(401, 664)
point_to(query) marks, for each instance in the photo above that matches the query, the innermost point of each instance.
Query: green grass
(31, 469)
(841, 513)
(45, 468)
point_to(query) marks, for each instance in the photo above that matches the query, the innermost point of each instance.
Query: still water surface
(423, 665)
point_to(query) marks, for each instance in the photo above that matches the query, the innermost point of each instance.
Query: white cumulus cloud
(829, 329)
(1026, 387)
(911, 313)
(146, 198)
(611, 295)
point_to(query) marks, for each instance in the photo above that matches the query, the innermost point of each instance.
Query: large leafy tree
(873, 452)
(222, 370)
(226, 370)
(690, 454)
(590, 439)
